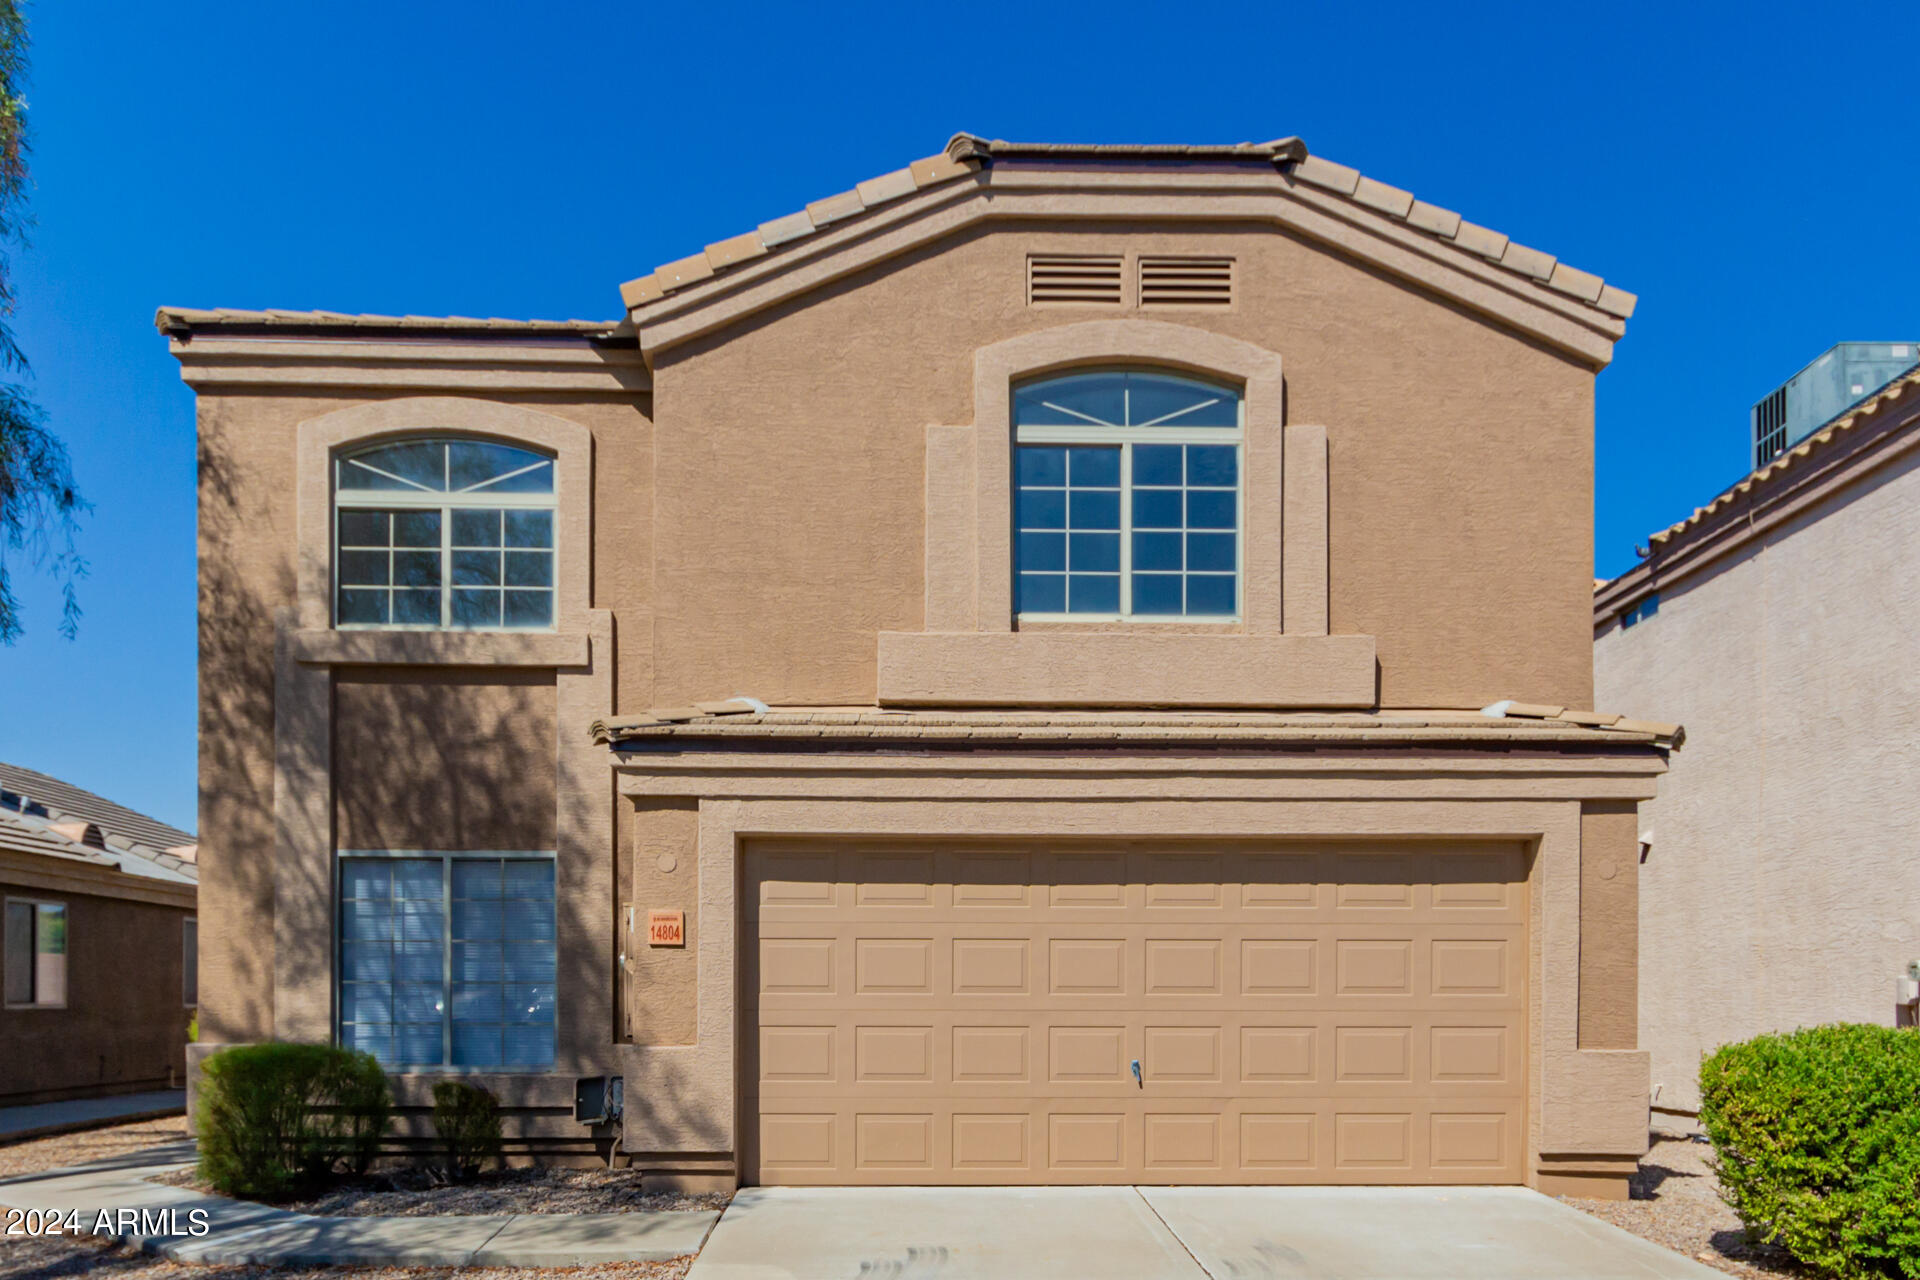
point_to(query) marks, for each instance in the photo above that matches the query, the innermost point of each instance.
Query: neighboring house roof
(1504, 723)
(1874, 432)
(77, 802)
(967, 154)
(33, 828)
(186, 320)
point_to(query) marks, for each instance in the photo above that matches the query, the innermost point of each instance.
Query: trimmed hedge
(467, 1120)
(1817, 1141)
(277, 1119)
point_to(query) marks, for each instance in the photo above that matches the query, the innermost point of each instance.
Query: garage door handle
(1136, 1074)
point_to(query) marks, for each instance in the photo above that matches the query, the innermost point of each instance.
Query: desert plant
(467, 1120)
(274, 1119)
(1816, 1135)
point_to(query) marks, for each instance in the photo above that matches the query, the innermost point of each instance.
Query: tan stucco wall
(1780, 886)
(1609, 925)
(1460, 469)
(478, 773)
(248, 562)
(124, 1026)
(758, 520)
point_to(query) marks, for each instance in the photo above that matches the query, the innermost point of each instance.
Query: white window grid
(446, 1066)
(476, 498)
(1126, 438)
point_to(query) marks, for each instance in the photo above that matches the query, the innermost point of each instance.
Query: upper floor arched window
(1128, 498)
(444, 533)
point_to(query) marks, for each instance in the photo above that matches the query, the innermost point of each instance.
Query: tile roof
(45, 832)
(76, 802)
(176, 320)
(1510, 723)
(1802, 455)
(967, 154)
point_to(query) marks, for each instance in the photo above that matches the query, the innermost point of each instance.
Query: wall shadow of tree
(430, 758)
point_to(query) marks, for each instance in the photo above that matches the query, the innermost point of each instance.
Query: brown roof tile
(965, 153)
(173, 320)
(1509, 725)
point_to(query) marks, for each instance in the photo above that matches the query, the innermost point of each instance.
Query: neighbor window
(447, 960)
(443, 533)
(36, 962)
(1127, 496)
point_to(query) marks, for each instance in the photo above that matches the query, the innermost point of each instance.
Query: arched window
(443, 533)
(1127, 500)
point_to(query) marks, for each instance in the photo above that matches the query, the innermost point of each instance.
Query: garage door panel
(1340, 1014)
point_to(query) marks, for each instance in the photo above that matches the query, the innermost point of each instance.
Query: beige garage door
(975, 1014)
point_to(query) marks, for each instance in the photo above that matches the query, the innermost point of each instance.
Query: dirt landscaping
(1676, 1204)
(68, 1258)
(37, 1155)
(408, 1192)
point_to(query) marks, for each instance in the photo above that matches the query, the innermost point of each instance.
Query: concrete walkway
(116, 1198)
(1174, 1233)
(42, 1118)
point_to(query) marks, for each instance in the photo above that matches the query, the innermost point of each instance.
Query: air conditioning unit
(1842, 377)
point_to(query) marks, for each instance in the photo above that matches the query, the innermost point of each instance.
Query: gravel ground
(1676, 1203)
(39, 1154)
(60, 1257)
(406, 1192)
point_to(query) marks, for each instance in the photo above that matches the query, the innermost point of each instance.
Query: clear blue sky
(1745, 168)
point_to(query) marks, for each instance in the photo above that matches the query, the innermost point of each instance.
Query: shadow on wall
(421, 758)
(241, 584)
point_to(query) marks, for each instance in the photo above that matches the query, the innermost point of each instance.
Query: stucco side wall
(1609, 925)
(1779, 888)
(124, 1027)
(791, 451)
(481, 778)
(248, 553)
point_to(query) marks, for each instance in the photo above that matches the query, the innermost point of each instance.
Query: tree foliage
(40, 505)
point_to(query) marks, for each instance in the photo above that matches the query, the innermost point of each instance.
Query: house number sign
(666, 928)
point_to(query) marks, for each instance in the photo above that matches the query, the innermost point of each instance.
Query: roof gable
(976, 179)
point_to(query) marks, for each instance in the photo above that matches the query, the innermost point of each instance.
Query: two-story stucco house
(978, 680)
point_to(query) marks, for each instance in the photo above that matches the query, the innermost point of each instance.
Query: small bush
(1817, 1139)
(468, 1121)
(277, 1119)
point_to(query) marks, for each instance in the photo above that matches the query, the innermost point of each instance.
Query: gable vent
(1063, 277)
(1186, 282)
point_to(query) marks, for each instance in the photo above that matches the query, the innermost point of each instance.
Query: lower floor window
(448, 960)
(36, 954)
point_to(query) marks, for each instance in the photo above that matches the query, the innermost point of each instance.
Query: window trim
(568, 443)
(445, 502)
(1126, 438)
(447, 858)
(67, 911)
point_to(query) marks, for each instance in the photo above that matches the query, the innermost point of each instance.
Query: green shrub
(467, 1119)
(1817, 1139)
(276, 1119)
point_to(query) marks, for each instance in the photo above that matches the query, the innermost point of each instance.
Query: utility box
(598, 1099)
(1842, 377)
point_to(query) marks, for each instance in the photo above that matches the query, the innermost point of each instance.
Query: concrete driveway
(1173, 1233)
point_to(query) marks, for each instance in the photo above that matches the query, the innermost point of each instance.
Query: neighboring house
(1782, 620)
(100, 943)
(975, 681)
